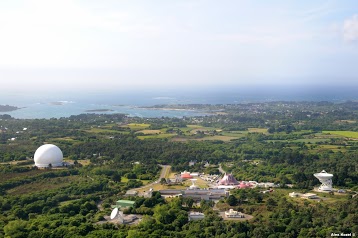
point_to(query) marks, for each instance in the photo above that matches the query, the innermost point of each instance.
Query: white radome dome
(48, 154)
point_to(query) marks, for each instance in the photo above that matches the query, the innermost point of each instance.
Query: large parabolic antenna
(193, 186)
(117, 214)
(326, 180)
(114, 213)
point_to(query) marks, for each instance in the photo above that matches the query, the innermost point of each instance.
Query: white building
(309, 196)
(234, 214)
(294, 195)
(194, 216)
(303, 195)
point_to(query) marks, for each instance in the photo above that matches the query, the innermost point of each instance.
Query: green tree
(232, 200)
(16, 229)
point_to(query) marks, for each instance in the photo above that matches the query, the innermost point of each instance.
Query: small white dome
(48, 154)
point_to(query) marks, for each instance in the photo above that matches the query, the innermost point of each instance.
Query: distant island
(8, 108)
(99, 110)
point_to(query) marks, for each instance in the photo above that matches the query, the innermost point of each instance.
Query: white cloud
(350, 29)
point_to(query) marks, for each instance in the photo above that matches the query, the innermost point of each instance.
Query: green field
(237, 134)
(159, 136)
(102, 130)
(311, 140)
(348, 134)
(222, 138)
(137, 126)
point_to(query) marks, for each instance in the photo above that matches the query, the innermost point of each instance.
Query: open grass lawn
(45, 184)
(348, 134)
(199, 182)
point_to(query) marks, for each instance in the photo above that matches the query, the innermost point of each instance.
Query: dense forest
(109, 154)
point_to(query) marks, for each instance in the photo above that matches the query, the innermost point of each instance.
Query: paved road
(163, 173)
(221, 169)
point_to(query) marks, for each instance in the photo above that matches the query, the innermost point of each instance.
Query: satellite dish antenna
(326, 180)
(114, 213)
(193, 186)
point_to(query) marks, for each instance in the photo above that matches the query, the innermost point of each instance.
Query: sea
(133, 101)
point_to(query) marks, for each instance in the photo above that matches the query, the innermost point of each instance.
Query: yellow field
(137, 126)
(258, 130)
(222, 138)
(348, 134)
(150, 132)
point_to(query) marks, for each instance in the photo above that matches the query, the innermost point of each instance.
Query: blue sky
(121, 44)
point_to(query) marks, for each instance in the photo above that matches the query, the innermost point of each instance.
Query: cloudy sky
(131, 43)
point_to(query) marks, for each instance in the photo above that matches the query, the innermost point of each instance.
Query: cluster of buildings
(194, 216)
(229, 182)
(196, 194)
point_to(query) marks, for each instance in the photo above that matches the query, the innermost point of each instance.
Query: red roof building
(186, 175)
